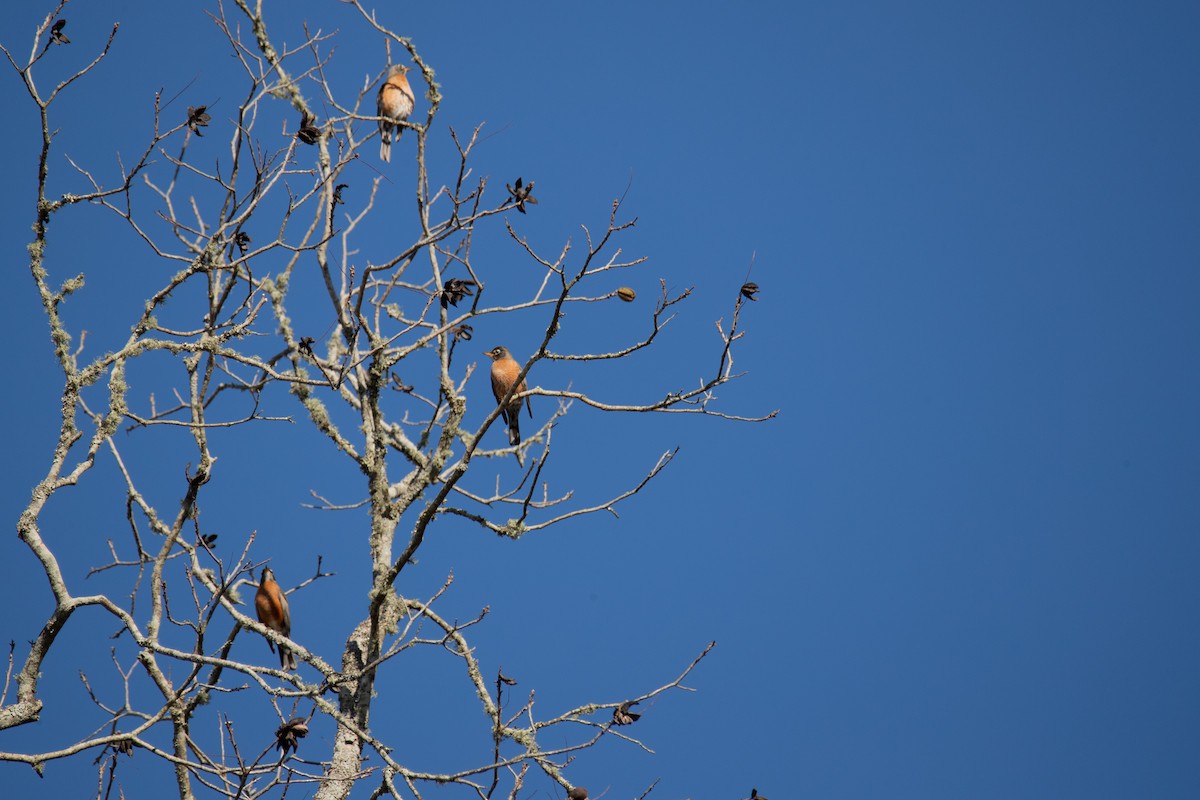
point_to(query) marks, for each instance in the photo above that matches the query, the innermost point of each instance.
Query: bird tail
(385, 145)
(514, 430)
(287, 659)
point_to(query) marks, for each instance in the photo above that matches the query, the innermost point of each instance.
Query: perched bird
(395, 103)
(505, 370)
(272, 606)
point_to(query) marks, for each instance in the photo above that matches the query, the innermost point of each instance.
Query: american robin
(395, 103)
(272, 606)
(505, 370)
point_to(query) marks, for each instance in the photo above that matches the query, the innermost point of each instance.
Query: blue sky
(960, 563)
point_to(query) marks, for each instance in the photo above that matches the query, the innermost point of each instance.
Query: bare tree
(238, 351)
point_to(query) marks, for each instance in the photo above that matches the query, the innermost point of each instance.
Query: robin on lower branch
(395, 104)
(505, 370)
(272, 606)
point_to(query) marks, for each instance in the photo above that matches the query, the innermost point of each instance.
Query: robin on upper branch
(505, 370)
(395, 103)
(272, 606)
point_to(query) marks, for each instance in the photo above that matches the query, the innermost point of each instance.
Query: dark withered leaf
(242, 240)
(749, 289)
(578, 793)
(464, 332)
(305, 344)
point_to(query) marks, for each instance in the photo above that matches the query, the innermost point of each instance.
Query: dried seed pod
(626, 294)
(623, 716)
(290, 733)
(521, 195)
(198, 118)
(456, 289)
(56, 34)
(309, 133)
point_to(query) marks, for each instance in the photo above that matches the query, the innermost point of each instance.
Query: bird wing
(286, 614)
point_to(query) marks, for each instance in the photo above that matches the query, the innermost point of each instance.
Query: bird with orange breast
(395, 104)
(272, 606)
(505, 370)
